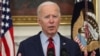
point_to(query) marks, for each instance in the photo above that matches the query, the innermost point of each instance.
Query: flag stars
(90, 0)
(7, 2)
(7, 17)
(2, 16)
(2, 23)
(6, 25)
(2, 31)
(3, 9)
(4, 1)
(78, 0)
(8, 10)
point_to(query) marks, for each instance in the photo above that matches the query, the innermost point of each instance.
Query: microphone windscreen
(50, 52)
(63, 52)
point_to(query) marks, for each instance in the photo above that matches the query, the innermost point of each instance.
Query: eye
(55, 16)
(47, 16)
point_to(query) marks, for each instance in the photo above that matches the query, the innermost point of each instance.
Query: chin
(52, 32)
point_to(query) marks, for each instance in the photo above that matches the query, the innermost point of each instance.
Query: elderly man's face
(49, 19)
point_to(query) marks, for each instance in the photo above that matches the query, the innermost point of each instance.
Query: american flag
(6, 30)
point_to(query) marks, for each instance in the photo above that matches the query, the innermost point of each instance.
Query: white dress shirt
(45, 42)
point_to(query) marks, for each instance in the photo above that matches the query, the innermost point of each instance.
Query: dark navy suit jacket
(33, 47)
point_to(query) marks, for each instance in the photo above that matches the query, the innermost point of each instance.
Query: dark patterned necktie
(50, 48)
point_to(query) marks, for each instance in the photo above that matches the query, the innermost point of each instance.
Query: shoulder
(32, 38)
(29, 40)
(70, 44)
(67, 40)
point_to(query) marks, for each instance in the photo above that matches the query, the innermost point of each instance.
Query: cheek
(57, 22)
(40, 22)
(43, 23)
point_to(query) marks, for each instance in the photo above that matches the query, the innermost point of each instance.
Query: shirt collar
(44, 38)
(56, 38)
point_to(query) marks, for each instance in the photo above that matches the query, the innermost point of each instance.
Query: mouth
(51, 27)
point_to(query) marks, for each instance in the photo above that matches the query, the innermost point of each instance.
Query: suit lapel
(62, 43)
(64, 47)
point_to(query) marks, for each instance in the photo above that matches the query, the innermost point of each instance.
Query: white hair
(46, 3)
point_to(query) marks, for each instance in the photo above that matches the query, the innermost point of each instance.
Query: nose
(51, 20)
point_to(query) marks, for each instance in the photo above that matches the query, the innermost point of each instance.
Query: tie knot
(50, 39)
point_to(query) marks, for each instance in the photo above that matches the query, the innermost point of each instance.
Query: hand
(19, 54)
(92, 54)
(85, 53)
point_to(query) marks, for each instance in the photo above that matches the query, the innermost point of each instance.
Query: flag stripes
(7, 38)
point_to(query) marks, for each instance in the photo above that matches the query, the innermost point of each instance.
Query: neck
(50, 35)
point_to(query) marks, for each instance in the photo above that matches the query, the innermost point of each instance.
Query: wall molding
(32, 20)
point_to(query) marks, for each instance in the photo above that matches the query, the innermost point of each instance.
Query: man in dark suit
(48, 17)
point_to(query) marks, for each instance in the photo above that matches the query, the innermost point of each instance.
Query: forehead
(49, 8)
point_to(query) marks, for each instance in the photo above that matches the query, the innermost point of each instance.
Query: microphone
(63, 52)
(50, 52)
